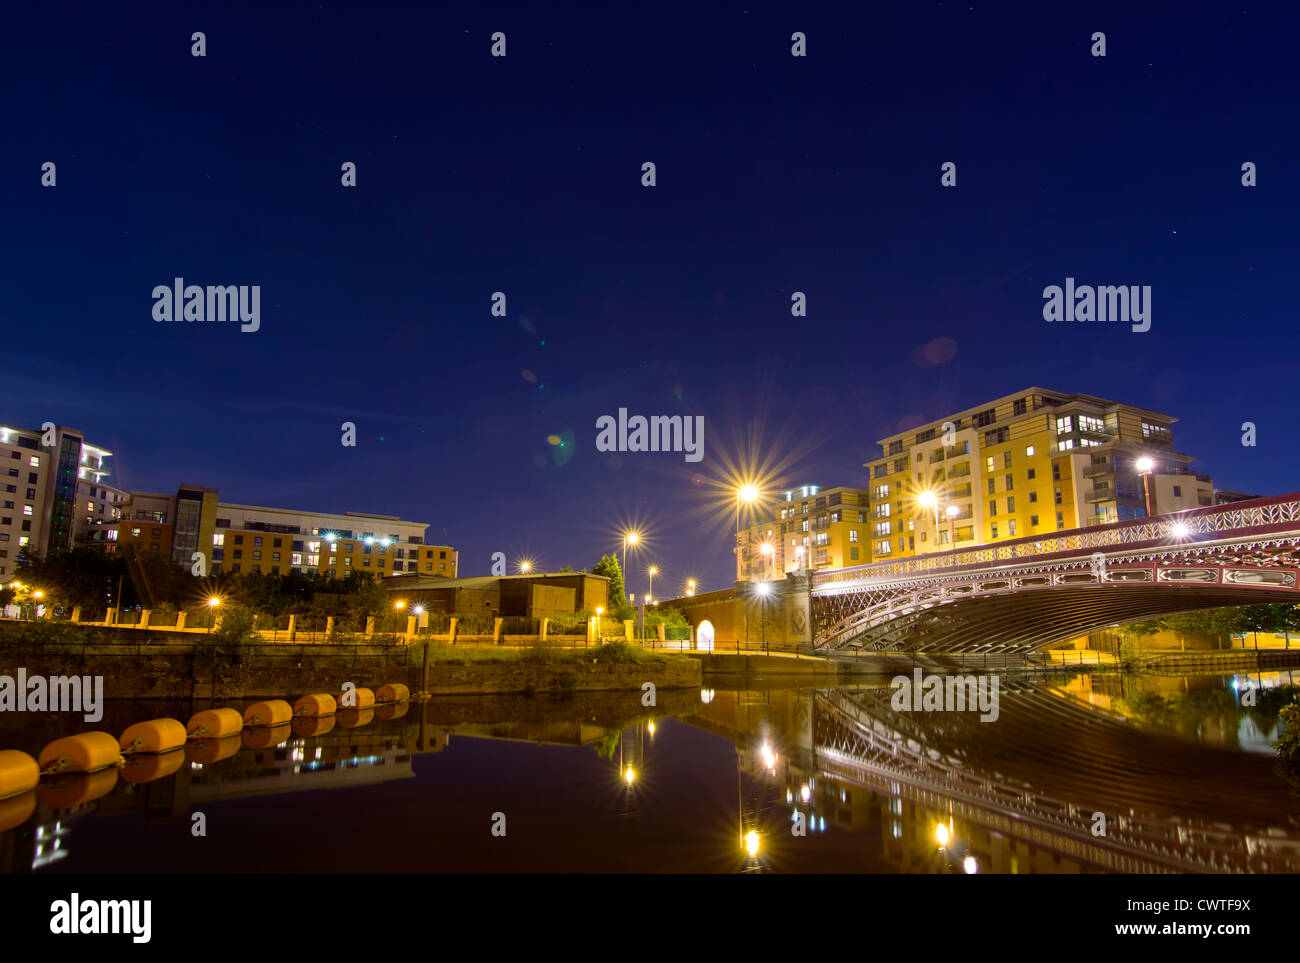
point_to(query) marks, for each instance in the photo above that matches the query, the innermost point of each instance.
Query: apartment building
(805, 527)
(1032, 462)
(239, 539)
(51, 491)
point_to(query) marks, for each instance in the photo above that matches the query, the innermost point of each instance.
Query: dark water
(1181, 771)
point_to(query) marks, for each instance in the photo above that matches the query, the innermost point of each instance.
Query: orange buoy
(19, 773)
(307, 726)
(214, 724)
(16, 810)
(392, 710)
(156, 735)
(263, 737)
(352, 718)
(321, 704)
(272, 712)
(357, 699)
(87, 752)
(393, 692)
(207, 751)
(142, 768)
(72, 789)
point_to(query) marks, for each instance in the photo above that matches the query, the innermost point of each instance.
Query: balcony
(1093, 471)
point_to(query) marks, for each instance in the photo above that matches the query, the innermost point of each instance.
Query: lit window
(35, 461)
(1029, 450)
(219, 538)
(27, 509)
(135, 532)
(334, 560)
(23, 540)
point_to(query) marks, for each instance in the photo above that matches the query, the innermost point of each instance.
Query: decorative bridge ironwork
(1042, 772)
(1032, 592)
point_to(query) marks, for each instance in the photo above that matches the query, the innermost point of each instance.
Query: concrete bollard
(541, 635)
(451, 632)
(76, 613)
(410, 625)
(370, 626)
(144, 618)
(329, 626)
(496, 631)
(180, 620)
(293, 627)
(627, 630)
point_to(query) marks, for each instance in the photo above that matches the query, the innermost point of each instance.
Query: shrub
(1288, 746)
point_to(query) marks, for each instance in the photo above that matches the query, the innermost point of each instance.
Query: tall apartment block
(239, 539)
(807, 527)
(1033, 462)
(52, 493)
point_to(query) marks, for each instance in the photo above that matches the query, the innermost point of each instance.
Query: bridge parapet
(1256, 516)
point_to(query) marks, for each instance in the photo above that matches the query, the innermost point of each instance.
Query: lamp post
(212, 609)
(629, 538)
(748, 493)
(690, 586)
(1145, 467)
(763, 589)
(953, 512)
(651, 593)
(768, 553)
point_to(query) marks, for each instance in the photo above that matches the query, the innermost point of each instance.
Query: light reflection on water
(711, 780)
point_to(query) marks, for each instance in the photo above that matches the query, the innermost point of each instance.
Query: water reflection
(784, 780)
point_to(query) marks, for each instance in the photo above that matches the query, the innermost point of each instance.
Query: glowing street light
(629, 538)
(1145, 466)
(653, 572)
(399, 605)
(690, 586)
(751, 843)
(629, 775)
(525, 567)
(747, 493)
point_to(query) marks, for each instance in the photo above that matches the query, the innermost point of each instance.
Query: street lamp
(213, 602)
(650, 594)
(629, 538)
(1145, 466)
(953, 512)
(690, 586)
(525, 567)
(748, 493)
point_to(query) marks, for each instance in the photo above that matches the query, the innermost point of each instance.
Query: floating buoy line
(81, 768)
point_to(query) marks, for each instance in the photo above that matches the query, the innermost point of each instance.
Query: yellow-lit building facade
(239, 539)
(1026, 464)
(789, 528)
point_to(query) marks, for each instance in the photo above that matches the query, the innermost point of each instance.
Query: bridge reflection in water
(947, 793)
(879, 790)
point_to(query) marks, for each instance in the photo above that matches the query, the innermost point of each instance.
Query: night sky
(522, 174)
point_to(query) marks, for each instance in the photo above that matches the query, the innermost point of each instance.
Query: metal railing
(1278, 512)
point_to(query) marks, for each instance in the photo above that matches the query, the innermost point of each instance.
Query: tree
(610, 568)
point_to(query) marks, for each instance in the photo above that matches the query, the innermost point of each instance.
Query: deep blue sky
(522, 174)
